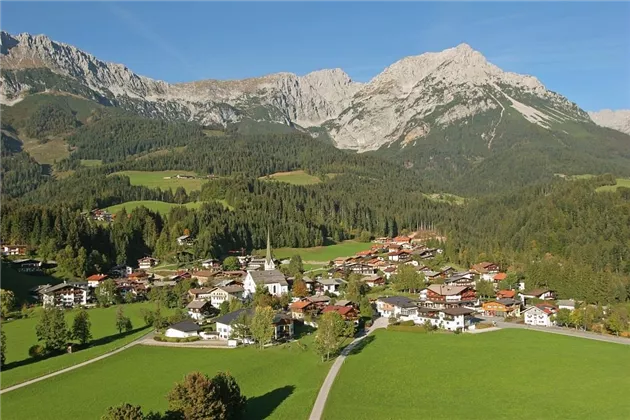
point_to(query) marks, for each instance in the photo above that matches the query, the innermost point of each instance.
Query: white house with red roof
(540, 315)
(96, 279)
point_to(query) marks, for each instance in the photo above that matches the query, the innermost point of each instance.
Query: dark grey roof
(62, 286)
(185, 326)
(402, 301)
(508, 301)
(228, 319)
(457, 311)
(268, 277)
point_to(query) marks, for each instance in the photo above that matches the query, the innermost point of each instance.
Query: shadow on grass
(358, 348)
(263, 406)
(302, 330)
(76, 349)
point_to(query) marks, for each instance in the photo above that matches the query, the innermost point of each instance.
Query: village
(439, 297)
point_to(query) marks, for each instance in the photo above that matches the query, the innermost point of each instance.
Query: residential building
(199, 309)
(443, 296)
(283, 324)
(330, 285)
(450, 319)
(221, 294)
(185, 240)
(348, 313)
(396, 306)
(399, 256)
(273, 280)
(540, 315)
(485, 270)
(360, 268)
(65, 295)
(465, 279)
(373, 280)
(203, 276)
(9, 250)
(183, 329)
(502, 307)
(542, 294)
(300, 308)
(147, 262)
(96, 279)
(499, 277)
(120, 271)
(566, 304)
(202, 293)
(506, 294)
(211, 264)
(319, 302)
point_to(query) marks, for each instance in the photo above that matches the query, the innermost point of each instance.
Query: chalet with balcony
(450, 319)
(485, 270)
(460, 279)
(300, 308)
(396, 306)
(348, 313)
(441, 296)
(542, 294)
(199, 309)
(13, 250)
(66, 295)
(147, 262)
(502, 307)
(218, 295)
(541, 315)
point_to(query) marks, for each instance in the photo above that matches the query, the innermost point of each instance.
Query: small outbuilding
(183, 329)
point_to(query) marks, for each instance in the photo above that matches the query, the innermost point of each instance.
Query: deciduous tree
(81, 327)
(261, 325)
(124, 411)
(7, 302)
(332, 330)
(52, 329)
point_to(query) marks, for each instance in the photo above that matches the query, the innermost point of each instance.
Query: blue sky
(581, 50)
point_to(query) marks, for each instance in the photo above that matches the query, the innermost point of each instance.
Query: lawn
(156, 179)
(293, 177)
(505, 374)
(621, 182)
(322, 253)
(21, 336)
(279, 382)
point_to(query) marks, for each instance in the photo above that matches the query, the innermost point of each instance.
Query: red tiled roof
(500, 276)
(342, 310)
(97, 277)
(506, 293)
(300, 304)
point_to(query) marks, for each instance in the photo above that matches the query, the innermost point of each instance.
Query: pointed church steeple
(269, 264)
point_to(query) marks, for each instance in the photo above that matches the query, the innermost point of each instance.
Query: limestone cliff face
(617, 120)
(408, 100)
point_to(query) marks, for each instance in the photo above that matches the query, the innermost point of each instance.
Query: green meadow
(293, 177)
(506, 374)
(322, 253)
(621, 182)
(155, 179)
(21, 336)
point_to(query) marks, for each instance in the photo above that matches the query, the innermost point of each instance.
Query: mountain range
(450, 112)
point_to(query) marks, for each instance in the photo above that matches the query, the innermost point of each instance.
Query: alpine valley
(451, 114)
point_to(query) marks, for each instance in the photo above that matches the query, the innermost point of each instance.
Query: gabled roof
(508, 301)
(457, 311)
(536, 292)
(268, 277)
(228, 319)
(231, 289)
(97, 277)
(197, 304)
(341, 310)
(343, 302)
(500, 276)
(61, 286)
(506, 293)
(401, 301)
(300, 304)
(444, 290)
(185, 326)
(318, 299)
(201, 291)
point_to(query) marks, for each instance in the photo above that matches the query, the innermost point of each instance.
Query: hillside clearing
(159, 206)
(156, 179)
(621, 182)
(433, 385)
(322, 253)
(293, 177)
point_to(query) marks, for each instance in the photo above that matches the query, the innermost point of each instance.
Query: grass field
(159, 206)
(21, 336)
(506, 374)
(91, 162)
(446, 198)
(621, 182)
(280, 383)
(20, 283)
(156, 179)
(321, 253)
(293, 177)
(46, 153)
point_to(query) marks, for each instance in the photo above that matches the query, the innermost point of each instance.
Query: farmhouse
(283, 324)
(300, 308)
(461, 279)
(373, 280)
(96, 279)
(541, 315)
(273, 280)
(397, 256)
(443, 296)
(183, 329)
(394, 306)
(211, 264)
(360, 268)
(199, 309)
(502, 307)
(65, 295)
(348, 313)
(147, 262)
(450, 319)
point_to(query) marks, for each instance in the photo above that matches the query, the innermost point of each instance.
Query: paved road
(77, 366)
(567, 331)
(320, 402)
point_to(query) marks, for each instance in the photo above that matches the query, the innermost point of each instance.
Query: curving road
(320, 402)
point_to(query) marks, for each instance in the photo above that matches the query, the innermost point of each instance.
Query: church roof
(268, 277)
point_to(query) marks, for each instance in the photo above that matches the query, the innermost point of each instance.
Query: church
(270, 277)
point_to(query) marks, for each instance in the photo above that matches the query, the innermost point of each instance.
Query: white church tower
(269, 264)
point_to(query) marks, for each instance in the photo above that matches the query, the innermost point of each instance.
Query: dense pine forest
(557, 233)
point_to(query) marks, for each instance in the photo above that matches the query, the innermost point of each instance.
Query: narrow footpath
(77, 366)
(320, 402)
(567, 331)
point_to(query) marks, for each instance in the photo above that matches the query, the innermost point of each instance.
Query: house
(273, 280)
(183, 329)
(461, 279)
(447, 271)
(401, 240)
(499, 277)
(35, 292)
(542, 294)
(566, 304)
(502, 307)
(443, 296)
(310, 283)
(203, 276)
(348, 313)
(211, 264)
(221, 294)
(202, 293)
(329, 285)
(506, 294)
(360, 268)
(540, 315)
(338, 262)
(397, 256)
(389, 271)
(139, 275)
(96, 279)
(319, 302)
(283, 324)
(431, 276)
(486, 270)
(396, 306)
(425, 254)
(199, 309)
(368, 253)
(300, 308)
(344, 302)
(13, 250)
(147, 262)
(120, 271)
(27, 265)
(451, 319)
(184, 240)
(65, 295)
(373, 280)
